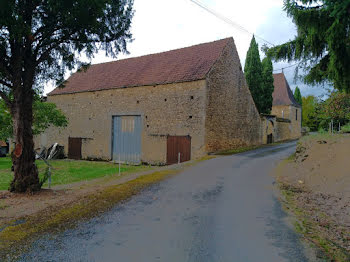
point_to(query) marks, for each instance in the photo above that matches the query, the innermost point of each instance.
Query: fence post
(119, 164)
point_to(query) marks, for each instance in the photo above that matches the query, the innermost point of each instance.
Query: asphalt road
(222, 209)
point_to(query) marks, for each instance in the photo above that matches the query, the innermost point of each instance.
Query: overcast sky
(162, 25)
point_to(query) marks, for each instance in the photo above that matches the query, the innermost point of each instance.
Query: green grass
(346, 128)
(69, 171)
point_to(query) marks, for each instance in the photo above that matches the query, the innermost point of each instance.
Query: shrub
(345, 129)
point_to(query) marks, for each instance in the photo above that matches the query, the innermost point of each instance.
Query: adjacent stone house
(286, 109)
(159, 109)
(284, 123)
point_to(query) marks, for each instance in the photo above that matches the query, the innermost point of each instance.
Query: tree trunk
(26, 177)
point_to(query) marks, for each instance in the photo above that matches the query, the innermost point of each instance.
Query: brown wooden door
(176, 145)
(74, 148)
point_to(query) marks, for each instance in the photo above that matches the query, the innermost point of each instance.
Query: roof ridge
(171, 50)
(184, 64)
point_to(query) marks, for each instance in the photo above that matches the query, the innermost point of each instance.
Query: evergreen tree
(322, 41)
(253, 74)
(268, 87)
(297, 96)
(39, 41)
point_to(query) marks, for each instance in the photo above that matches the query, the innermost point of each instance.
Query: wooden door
(74, 148)
(178, 149)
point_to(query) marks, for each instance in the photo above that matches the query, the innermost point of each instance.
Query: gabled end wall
(232, 119)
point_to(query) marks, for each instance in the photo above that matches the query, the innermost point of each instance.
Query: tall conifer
(268, 86)
(253, 74)
(297, 96)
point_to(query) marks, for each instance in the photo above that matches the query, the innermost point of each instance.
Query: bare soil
(319, 178)
(16, 206)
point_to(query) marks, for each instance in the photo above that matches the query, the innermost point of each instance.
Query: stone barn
(159, 108)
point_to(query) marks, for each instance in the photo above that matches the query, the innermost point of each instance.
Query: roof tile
(181, 65)
(282, 95)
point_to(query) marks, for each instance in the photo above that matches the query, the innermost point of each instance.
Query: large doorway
(126, 136)
(74, 148)
(178, 149)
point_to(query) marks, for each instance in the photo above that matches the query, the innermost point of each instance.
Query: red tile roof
(181, 65)
(282, 95)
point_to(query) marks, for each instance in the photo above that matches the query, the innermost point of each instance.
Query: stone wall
(232, 118)
(283, 129)
(294, 115)
(173, 109)
(268, 126)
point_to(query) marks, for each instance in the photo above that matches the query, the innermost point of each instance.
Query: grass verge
(69, 171)
(15, 239)
(306, 225)
(247, 148)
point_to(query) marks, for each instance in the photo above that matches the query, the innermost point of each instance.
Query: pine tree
(268, 86)
(322, 41)
(253, 74)
(297, 96)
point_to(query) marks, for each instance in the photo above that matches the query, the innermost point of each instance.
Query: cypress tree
(253, 74)
(268, 86)
(297, 96)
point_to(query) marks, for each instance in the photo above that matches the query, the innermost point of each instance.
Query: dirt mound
(321, 170)
(323, 165)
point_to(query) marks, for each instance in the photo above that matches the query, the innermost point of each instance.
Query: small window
(190, 117)
(296, 114)
(165, 100)
(192, 97)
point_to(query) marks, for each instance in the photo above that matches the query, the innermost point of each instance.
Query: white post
(49, 177)
(178, 158)
(119, 164)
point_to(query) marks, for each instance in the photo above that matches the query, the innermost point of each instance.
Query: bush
(322, 131)
(345, 129)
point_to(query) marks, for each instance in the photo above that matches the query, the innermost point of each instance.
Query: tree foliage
(267, 85)
(337, 107)
(318, 113)
(39, 41)
(44, 115)
(253, 74)
(6, 128)
(297, 96)
(322, 43)
(310, 112)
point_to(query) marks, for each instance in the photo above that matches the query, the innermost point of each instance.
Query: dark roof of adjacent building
(181, 65)
(282, 95)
